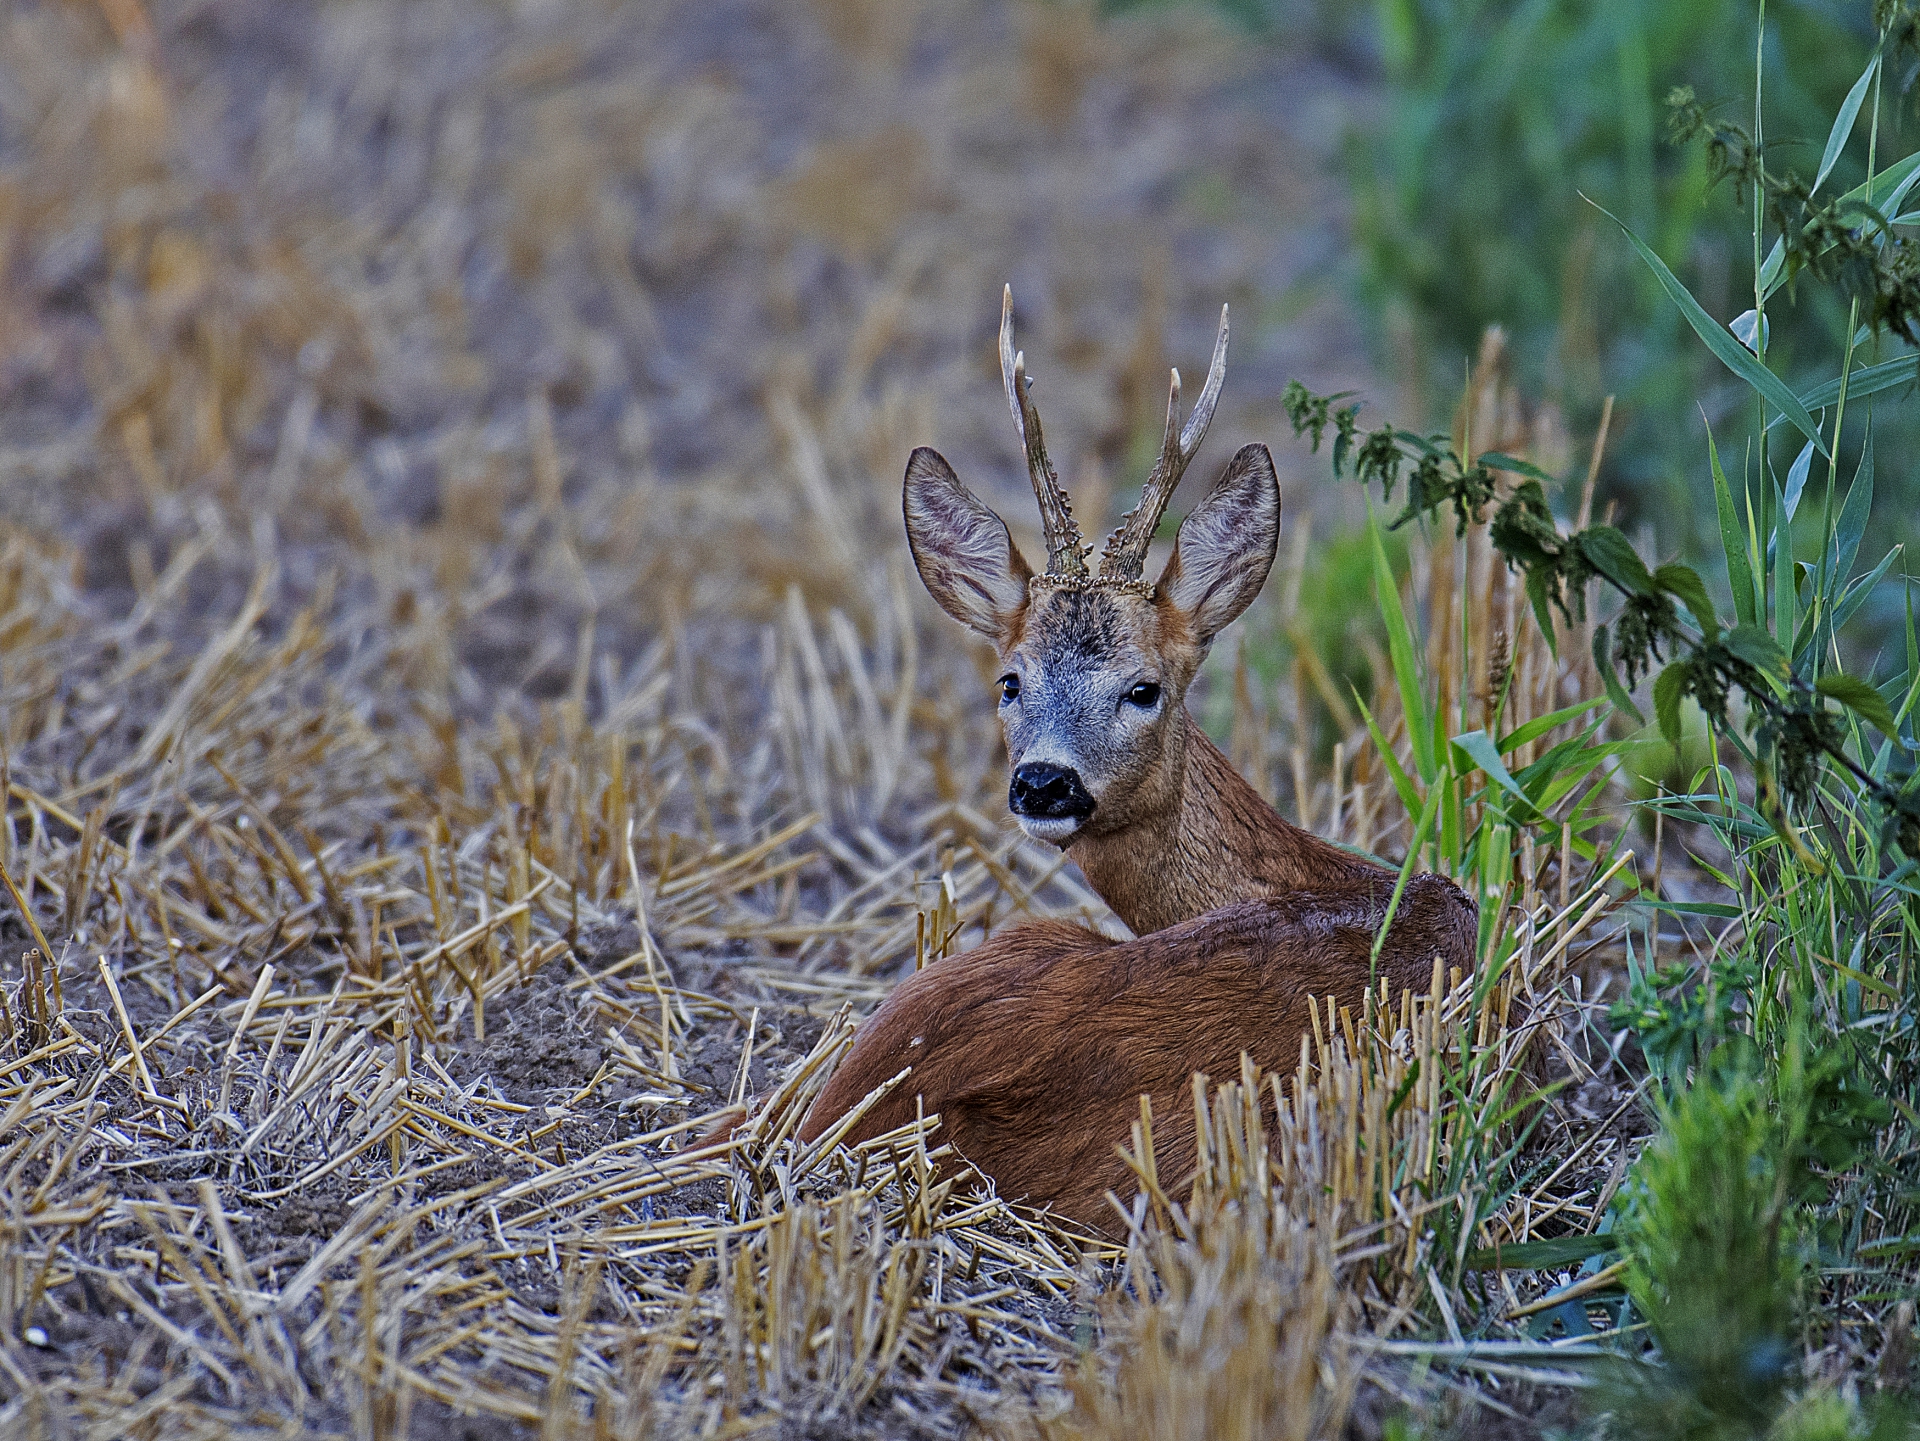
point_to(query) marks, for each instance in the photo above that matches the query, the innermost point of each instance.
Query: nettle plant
(1803, 712)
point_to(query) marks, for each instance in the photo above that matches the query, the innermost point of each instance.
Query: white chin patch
(1056, 830)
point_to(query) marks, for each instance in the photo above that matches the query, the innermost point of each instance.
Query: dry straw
(418, 827)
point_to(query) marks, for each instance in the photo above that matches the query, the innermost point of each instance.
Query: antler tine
(1125, 555)
(1066, 552)
(1195, 429)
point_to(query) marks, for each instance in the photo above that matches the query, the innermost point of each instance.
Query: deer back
(1035, 1047)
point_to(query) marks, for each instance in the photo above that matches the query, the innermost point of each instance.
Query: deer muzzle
(1051, 800)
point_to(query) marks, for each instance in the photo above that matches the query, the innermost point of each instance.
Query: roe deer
(1036, 1045)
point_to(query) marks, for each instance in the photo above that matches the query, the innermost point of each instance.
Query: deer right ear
(965, 556)
(1226, 545)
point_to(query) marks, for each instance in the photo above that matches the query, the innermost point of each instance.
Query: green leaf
(1542, 603)
(1613, 555)
(1479, 749)
(1562, 768)
(1872, 983)
(1843, 122)
(1669, 689)
(1617, 693)
(1755, 645)
(1809, 629)
(1572, 773)
(1739, 572)
(1494, 460)
(1871, 381)
(1540, 725)
(1684, 582)
(1909, 172)
(1857, 594)
(1852, 525)
(1797, 478)
(1732, 354)
(1861, 698)
(1400, 651)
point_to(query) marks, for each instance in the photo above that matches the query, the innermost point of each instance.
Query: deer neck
(1216, 843)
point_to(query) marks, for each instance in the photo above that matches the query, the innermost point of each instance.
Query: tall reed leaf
(1843, 122)
(1732, 354)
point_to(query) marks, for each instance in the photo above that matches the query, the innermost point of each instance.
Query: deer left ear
(1226, 545)
(968, 562)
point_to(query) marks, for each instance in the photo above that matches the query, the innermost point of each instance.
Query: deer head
(1095, 666)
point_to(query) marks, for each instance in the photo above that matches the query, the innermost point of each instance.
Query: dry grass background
(465, 715)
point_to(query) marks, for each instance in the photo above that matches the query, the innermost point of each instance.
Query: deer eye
(1144, 694)
(1009, 687)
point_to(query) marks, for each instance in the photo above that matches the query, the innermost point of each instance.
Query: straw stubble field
(466, 715)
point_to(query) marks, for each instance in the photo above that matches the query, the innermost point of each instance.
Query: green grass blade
(1913, 659)
(1913, 662)
(1785, 621)
(1549, 1255)
(1857, 593)
(1909, 172)
(1421, 829)
(1574, 771)
(1739, 573)
(1405, 660)
(1403, 784)
(1450, 846)
(1497, 460)
(1533, 778)
(1852, 525)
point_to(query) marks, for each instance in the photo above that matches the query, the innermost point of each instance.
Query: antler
(1126, 550)
(1066, 553)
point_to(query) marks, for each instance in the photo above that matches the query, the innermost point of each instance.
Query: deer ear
(965, 556)
(1226, 545)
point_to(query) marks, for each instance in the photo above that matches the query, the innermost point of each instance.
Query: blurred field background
(466, 710)
(1495, 130)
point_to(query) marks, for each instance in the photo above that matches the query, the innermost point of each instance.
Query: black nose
(1046, 791)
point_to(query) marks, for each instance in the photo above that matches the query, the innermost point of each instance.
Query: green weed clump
(1712, 1262)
